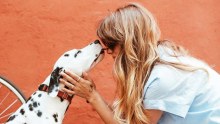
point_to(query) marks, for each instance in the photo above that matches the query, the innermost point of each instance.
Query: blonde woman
(157, 81)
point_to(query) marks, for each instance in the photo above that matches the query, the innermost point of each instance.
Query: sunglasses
(110, 46)
(108, 50)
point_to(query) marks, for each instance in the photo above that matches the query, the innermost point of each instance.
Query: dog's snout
(97, 42)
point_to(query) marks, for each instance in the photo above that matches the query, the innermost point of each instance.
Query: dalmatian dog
(48, 104)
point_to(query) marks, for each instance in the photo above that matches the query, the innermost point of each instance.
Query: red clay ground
(34, 33)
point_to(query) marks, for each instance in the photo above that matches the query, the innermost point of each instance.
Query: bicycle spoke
(4, 98)
(11, 98)
(6, 115)
(8, 107)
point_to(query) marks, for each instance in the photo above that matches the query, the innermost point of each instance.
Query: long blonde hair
(135, 30)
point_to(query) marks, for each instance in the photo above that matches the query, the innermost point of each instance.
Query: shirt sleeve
(170, 90)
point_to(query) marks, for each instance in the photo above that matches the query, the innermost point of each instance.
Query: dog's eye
(66, 55)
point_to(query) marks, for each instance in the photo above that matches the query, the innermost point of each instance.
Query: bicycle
(11, 98)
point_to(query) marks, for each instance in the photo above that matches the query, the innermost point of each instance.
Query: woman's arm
(102, 108)
(85, 88)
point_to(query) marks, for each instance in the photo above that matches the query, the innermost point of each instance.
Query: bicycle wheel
(11, 98)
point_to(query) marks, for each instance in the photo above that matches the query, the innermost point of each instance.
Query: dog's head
(76, 60)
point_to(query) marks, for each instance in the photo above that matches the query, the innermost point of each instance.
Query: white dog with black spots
(48, 104)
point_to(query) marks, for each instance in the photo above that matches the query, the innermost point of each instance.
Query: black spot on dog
(30, 106)
(61, 99)
(39, 95)
(34, 93)
(39, 113)
(22, 111)
(38, 104)
(35, 104)
(79, 51)
(55, 117)
(66, 55)
(11, 118)
(96, 57)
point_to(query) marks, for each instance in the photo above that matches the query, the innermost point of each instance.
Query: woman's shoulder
(165, 74)
(166, 78)
(167, 54)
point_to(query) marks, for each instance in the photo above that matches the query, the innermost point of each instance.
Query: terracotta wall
(34, 33)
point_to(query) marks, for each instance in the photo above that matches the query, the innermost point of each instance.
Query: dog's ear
(53, 88)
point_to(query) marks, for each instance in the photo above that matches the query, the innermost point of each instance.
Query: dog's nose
(97, 42)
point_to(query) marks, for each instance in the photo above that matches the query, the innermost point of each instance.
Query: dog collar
(62, 95)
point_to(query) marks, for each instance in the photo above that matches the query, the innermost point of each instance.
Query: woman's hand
(84, 87)
(80, 86)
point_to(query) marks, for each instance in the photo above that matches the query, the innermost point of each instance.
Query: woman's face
(113, 52)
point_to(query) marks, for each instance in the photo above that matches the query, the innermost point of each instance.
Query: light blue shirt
(184, 97)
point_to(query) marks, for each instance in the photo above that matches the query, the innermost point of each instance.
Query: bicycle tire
(15, 91)
(13, 88)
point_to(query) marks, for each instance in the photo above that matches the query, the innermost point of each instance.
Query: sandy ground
(34, 33)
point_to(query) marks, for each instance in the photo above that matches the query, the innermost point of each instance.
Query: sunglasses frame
(108, 50)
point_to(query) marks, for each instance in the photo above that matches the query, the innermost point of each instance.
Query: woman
(157, 81)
